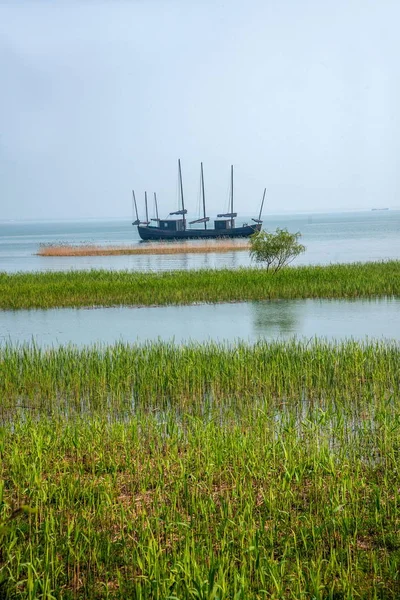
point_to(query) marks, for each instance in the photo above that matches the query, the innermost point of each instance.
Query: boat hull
(150, 233)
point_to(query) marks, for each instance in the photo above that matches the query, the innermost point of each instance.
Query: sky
(99, 98)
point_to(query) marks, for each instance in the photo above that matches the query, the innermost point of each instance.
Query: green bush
(275, 249)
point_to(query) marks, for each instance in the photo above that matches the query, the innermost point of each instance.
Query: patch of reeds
(190, 247)
(157, 471)
(127, 377)
(113, 288)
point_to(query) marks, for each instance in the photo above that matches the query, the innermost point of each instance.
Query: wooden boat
(176, 229)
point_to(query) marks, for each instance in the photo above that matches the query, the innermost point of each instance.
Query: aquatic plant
(201, 472)
(123, 378)
(116, 288)
(190, 247)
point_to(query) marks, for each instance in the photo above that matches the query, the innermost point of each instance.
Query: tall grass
(201, 472)
(105, 288)
(124, 378)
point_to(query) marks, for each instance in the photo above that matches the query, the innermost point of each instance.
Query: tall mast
(181, 186)
(136, 210)
(145, 203)
(231, 196)
(261, 208)
(262, 204)
(155, 203)
(203, 195)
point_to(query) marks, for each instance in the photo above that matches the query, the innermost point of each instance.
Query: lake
(247, 321)
(329, 238)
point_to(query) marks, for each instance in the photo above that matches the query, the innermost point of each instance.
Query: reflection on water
(333, 319)
(277, 317)
(248, 321)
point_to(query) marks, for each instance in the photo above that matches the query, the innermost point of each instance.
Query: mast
(204, 219)
(231, 214)
(262, 204)
(137, 222)
(231, 196)
(259, 220)
(155, 203)
(145, 203)
(203, 195)
(181, 188)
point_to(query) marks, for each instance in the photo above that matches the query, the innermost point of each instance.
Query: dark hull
(155, 233)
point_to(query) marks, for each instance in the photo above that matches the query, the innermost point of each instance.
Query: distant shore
(164, 248)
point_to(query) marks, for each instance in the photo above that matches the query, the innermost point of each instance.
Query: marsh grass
(108, 288)
(195, 247)
(123, 378)
(204, 472)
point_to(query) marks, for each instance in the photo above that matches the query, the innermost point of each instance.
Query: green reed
(106, 288)
(148, 508)
(200, 471)
(124, 378)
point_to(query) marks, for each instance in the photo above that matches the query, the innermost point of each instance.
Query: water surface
(248, 321)
(329, 238)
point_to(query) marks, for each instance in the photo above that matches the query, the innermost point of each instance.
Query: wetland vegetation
(107, 288)
(207, 471)
(197, 247)
(200, 471)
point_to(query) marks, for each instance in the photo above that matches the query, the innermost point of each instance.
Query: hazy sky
(98, 98)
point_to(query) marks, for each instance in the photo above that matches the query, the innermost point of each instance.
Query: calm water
(333, 319)
(336, 237)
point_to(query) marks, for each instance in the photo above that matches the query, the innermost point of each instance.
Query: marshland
(201, 471)
(216, 470)
(110, 288)
(179, 421)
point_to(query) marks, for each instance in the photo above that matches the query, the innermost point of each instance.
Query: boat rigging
(176, 229)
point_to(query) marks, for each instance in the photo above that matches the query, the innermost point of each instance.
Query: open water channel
(247, 321)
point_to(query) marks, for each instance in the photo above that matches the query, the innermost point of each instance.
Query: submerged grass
(107, 288)
(202, 472)
(122, 377)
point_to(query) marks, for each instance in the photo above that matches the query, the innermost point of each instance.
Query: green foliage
(245, 472)
(275, 249)
(118, 288)
(122, 377)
